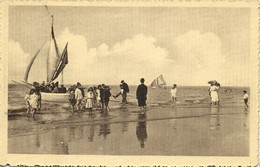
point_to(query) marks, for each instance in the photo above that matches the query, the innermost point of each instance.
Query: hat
(244, 91)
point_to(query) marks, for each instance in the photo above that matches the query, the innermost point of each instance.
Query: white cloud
(129, 59)
(17, 61)
(198, 58)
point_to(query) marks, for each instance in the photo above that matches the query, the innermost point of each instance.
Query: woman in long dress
(90, 99)
(214, 94)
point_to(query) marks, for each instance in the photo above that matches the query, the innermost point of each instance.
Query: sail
(161, 81)
(62, 63)
(31, 63)
(154, 83)
(53, 58)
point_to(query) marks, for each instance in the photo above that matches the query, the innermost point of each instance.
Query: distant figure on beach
(141, 93)
(173, 94)
(245, 98)
(214, 94)
(107, 95)
(126, 90)
(72, 99)
(90, 99)
(78, 96)
(98, 97)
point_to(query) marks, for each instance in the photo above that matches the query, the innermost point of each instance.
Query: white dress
(214, 93)
(34, 101)
(90, 100)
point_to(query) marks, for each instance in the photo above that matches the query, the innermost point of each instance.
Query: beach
(190, 128)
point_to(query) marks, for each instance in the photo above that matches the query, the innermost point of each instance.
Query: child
(98, 98)
(107, 95)
(27, 98)
(90, 99)
(121, 91)
(34, 99)
(173, 94)
(245, 98)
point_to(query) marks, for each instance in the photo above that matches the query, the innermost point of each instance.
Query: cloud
(130, 59)
(198, 58)
(17, 61)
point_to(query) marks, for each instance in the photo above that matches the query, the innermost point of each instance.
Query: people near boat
(120, 92)
(32, 101)
(72, 99)
(79, 96)
(90, 99)
(173, 94)
(214, 94)
(52, 86)
(62, 89)
(126, 90)
(27, 101)
(141, 93)
(245, 97)
(107, 95)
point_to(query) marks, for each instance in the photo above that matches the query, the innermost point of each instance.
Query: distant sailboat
(56, 63)
(158, 82)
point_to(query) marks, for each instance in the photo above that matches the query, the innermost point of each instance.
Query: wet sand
(196, 130)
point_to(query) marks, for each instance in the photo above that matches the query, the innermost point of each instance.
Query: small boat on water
(55, 63)
(158, 82)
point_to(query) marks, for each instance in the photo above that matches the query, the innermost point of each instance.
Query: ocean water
(191, 127)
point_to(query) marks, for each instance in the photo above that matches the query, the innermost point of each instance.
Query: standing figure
(90, 99)
(33, 101)
(126, 90)
(102, 94)
(78, 96)
(27, 100)
(141, 93)
(173, 94)
(245, 98)
(98, 97)
(72, 99)
(214, 94)
(107, 95)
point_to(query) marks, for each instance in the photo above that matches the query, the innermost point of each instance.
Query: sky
(188, 46)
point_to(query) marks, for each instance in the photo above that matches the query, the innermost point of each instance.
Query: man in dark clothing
(102, 95)
(141, 93)
(62, 89)
(126, 90)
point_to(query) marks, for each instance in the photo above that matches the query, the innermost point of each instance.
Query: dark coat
(141, 92)
(125, 87)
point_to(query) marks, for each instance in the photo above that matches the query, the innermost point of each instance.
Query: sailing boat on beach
(55, 63)
(158, 82)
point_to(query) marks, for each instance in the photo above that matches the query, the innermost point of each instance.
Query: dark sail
(62, 63)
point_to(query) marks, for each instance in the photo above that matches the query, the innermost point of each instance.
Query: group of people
(95, 96)
(52, 87)
(100, 96)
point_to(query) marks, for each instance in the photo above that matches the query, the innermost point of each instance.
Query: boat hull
(55, 97)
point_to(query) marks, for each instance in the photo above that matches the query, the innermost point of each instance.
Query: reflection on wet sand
(246, 118)
(104, 128)
(141, 132)
(91, 127)
(214, 118)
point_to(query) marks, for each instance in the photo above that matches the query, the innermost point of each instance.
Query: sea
(191, 127)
